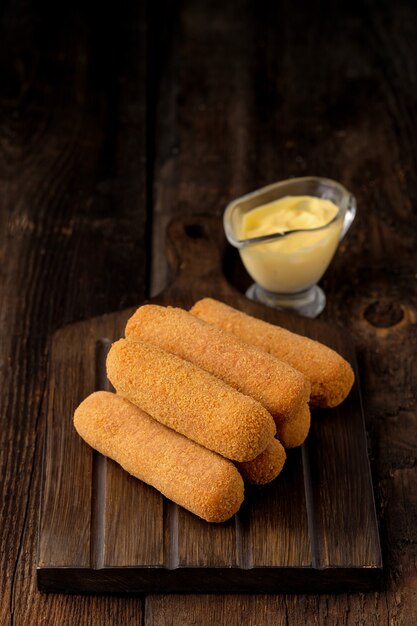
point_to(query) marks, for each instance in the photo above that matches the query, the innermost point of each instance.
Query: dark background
(115, 119)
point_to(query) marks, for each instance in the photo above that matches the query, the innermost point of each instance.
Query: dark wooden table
(113, 121)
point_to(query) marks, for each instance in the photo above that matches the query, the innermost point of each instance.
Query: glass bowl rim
(240, 243)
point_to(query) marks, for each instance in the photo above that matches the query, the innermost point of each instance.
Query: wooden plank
(72, 148)
(134, 528)
(270, 536)
(204, 545)
(67, 494)
(337, 461)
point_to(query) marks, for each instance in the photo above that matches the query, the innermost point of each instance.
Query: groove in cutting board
(171, 558)
(308, 490)
(99, 468)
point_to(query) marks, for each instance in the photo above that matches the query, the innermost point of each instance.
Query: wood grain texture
(72, 149)
(337, 101)
(312, 529)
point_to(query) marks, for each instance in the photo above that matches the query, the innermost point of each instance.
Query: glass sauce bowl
(286, 266)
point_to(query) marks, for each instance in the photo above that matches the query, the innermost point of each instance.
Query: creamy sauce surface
(297, 261)
(288, 213)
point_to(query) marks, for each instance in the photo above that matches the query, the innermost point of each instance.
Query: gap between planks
(99, 467)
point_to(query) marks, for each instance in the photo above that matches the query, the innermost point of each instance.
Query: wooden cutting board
(313, 529)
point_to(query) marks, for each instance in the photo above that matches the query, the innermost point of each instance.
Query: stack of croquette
(207, 398)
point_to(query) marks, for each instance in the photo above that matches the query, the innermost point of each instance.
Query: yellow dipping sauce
(298, 260)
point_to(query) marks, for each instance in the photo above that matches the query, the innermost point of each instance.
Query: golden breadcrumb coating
(294, 432)
(190, 400)
(331, 377)
(280, 388)
(196, 478)
(267, 465)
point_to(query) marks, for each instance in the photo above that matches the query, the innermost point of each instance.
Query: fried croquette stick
(196, 478)
(292, 433)
(190, 400)
(267, 465)
(331, 377)
(281, 389)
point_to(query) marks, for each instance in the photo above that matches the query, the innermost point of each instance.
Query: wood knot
(384, 313)
(194, 231)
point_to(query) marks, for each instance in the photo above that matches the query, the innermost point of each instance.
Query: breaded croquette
(190, 400)
(196, 478)
(281, 389)
(267, 465)
(331, 377)
(293, 432)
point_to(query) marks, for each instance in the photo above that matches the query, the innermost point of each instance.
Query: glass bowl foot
(309, 303)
